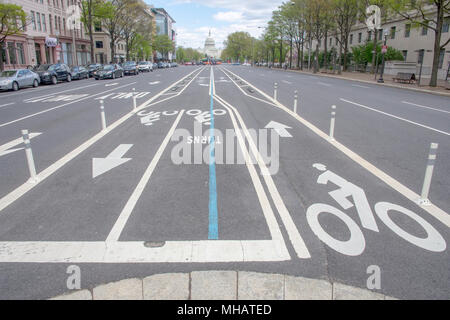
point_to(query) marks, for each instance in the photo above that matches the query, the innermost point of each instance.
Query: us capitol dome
(210, 47)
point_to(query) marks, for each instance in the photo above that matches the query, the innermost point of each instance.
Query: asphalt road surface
(209, 171)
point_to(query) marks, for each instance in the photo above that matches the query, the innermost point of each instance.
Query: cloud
(235, 15)
(228, 16)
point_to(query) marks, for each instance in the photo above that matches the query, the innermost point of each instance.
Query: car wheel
(35, 83)
(69, 78)
(15, 86)
(54, 80)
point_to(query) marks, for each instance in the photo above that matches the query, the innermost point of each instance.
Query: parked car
(79, 72)
(52, 73)
(109, 71)
(145, 66)
(173, 65)
(155, 65)
(130, 67)
(160, 65)
(16, 79)
(93, 67)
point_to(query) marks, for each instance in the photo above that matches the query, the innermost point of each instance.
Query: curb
(444, 94)
(223, 285)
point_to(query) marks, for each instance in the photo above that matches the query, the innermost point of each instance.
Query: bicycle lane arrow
(279, 128)
(114, 159)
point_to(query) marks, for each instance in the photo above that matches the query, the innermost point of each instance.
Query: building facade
(210, 49)
(415, 43)
(46, 37)
(164, 26)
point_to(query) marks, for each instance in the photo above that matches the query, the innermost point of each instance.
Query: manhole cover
(154, 244)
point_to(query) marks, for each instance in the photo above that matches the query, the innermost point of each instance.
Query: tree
(346, 15)
(112, 17)
(89, 8)
(427, 14)
(163, 44)
(136, 22)
(238, 46)
(12, 22)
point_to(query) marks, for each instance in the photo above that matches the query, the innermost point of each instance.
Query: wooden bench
(405, 77)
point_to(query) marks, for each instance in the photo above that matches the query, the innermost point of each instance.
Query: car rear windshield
(9, 73)
(44, 67)
(129, 63)
(108, 67)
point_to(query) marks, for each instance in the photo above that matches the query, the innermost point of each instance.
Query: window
(50, 22)
(56, 23)
(405, 55)
(33, 20)
(393, 29)
(331, 41)
(380, 34)
(407, 30)
(359, 37)
(99, 44)
(369, 36)
(12, 53)
(420, 56)
(64, 24)
(38, 16)
(445, 25)
(44, 24)
(351, 39)
(20, 53)
(441, 58)
(424, 30)
(97, 26)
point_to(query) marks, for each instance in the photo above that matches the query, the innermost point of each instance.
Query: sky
(194, 18)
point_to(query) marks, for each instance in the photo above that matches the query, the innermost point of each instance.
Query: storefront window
(20, 53)
(12, 53)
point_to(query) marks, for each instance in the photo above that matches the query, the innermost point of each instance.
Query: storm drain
(154, 244)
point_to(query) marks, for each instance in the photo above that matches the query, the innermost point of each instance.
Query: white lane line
(360, 86)
(293, 233)
(58, 92)
(7, 104)
(16, 142)
(115, 232)
(432, 209)
(136, 252)
(396, 117)
(24, 188)
(111, 84)
(324, 84)
(287, 82)
(60, 106)
(425, 107)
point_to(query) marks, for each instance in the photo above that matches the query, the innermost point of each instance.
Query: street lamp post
(381, 80)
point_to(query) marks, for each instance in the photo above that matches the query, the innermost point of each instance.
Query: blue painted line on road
(213, 232)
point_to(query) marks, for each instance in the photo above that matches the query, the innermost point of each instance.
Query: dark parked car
(130, 67)
(93, 67)
(52, 73)
(161, 65)
(109, 71)
(79, 72)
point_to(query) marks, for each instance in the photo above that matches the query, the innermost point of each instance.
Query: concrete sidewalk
(223, 285)
(388, 81)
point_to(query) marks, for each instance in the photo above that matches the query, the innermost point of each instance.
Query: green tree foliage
(363, 54)
(12, 22)
(238, 46)
(163, 44)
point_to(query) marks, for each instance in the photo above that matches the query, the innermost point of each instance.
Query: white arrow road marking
(279, 128)
(6, 148)
(154, 82)
(114, 159)
(111, 84)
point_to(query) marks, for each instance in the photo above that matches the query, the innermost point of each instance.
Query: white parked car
(145, 66)
(16, 79)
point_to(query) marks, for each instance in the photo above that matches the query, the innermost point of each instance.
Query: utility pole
(383, 51)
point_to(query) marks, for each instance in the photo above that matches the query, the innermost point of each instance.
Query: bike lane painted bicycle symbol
(356, 244)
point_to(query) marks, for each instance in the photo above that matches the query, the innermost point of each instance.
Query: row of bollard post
(431, 157)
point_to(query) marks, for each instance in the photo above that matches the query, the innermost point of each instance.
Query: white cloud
(240, 15)
(228, 16)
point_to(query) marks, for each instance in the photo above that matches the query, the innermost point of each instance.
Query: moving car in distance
(109, 71)
(16, 79)
(79, 72)
(93, 67)
(52, 73)
(130, 67)
(145, 66)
